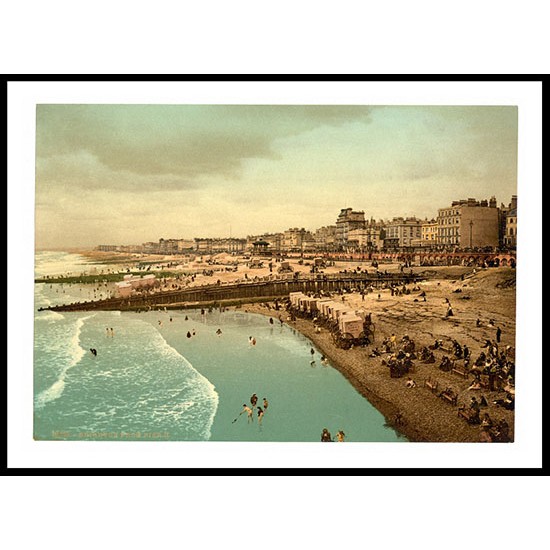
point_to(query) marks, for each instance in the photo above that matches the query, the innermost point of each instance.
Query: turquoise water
(149, 381)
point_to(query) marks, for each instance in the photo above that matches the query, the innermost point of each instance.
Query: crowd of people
(402, 354)
(493, 371)
(260, 411)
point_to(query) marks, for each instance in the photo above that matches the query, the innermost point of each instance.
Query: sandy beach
(425, 417)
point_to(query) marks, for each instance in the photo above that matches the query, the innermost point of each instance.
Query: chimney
(493, 202)
(514, 203)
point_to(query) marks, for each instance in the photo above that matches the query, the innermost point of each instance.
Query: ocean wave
(208, 392)
(40, 298)
(55, 263)
(75, 354)
(50, 316)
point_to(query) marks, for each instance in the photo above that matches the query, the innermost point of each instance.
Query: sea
(181, 375)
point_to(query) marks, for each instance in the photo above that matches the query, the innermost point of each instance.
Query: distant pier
(244, 291)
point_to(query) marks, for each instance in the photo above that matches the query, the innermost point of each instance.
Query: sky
(127, 174)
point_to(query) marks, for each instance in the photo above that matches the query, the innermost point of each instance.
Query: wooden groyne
(243, 291)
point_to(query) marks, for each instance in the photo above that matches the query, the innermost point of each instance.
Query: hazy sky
(126, 174)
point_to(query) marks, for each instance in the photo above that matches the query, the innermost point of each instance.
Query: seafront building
(428, 231)
(508, 223)
(347, 221)
(325, 238)
(369, 238)
(298, 240)
(469, 224)
(403, 233)
(175, 246)
(511, 230)
(216, 246)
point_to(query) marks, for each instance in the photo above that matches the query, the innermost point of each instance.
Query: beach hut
(313, 305)
(304, 303)
(124, 289)
(295, 299)
(337, 310)
(317, 305)
(285, 267)
(350, 325)
(326, 308)
(330, 309)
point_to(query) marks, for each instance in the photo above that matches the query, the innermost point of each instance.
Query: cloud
(187, 142)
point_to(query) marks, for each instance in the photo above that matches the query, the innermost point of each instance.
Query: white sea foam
(60, 263)
(207, 390)
(50, 316)
(40, 298)
(75, 354)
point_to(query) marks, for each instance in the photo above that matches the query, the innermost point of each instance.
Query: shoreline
(425, 417)
(385, 407)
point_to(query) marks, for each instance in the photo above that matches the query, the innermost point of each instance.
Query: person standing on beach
(499, 332)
